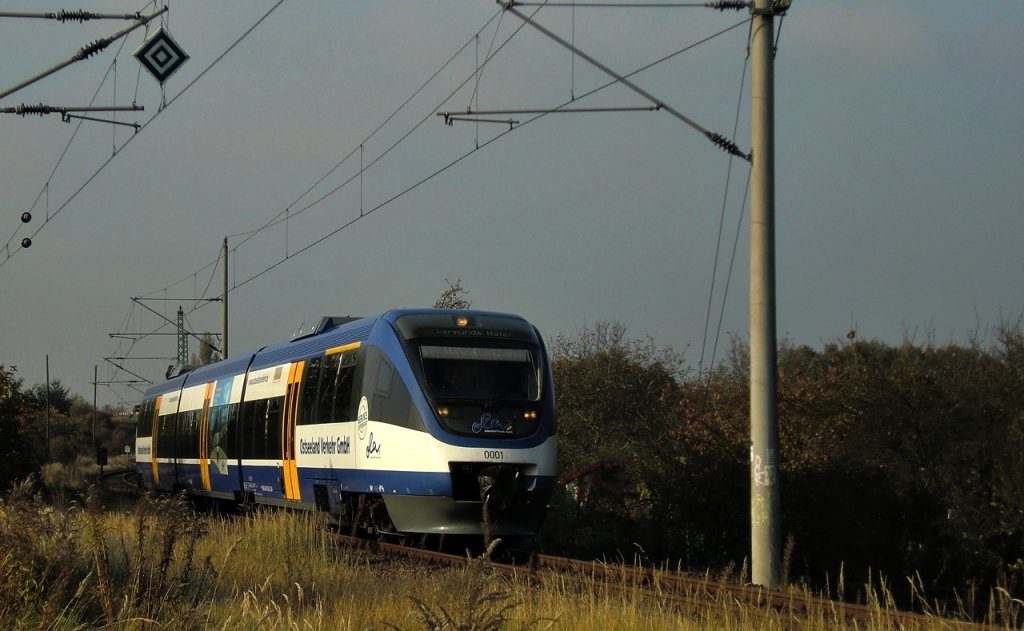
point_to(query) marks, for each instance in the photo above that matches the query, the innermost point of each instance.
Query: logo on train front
(363, 417)
(490, 424)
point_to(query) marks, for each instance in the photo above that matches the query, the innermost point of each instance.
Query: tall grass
(77, 475)
(160, 565)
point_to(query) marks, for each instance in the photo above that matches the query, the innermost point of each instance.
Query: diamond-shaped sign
(161, 55)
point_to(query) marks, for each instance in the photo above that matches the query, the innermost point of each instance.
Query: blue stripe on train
(267, 481)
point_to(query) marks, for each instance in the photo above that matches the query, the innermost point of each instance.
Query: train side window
(261, 429)
(230, 440)
(144, 427)
(188, 431)
(271, 433)
(247, 429)
(165, 436)
(218, 430)
(310, 383)
(391, 397)
(343, 388)
(328, 381)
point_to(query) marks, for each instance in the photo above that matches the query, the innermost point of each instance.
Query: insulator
(28, 110)
(728, 145)
(92, 49)
(726, 5)
(26, 217)
(26, 242)
(73, 16)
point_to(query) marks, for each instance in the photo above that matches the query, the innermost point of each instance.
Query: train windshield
(481, 373)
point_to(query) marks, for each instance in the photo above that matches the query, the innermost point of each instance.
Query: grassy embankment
(159, 565)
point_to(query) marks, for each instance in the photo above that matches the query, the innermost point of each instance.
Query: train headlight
(442, 412)
(462, 321)
(530, 415)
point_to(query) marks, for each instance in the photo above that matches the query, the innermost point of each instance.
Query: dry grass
(159, 565)
(76, 476)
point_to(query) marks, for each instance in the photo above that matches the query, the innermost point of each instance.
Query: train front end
(484, 391)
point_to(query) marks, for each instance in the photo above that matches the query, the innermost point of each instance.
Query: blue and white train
(412, 421)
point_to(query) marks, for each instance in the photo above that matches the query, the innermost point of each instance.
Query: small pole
(95, 370)
(46, 414)
(224, 305)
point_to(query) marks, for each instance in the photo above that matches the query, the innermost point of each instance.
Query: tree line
(896, 461)
(73, 428)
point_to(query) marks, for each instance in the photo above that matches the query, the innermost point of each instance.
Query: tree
(454, 297)
(207, 351)
(59, 397)
(15, 452)
(616, 402)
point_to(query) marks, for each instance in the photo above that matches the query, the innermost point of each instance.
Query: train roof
(328, 332)
(331, 336)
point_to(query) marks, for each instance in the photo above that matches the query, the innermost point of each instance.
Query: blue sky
(898, 189)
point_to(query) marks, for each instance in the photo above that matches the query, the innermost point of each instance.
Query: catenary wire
(721, 225)
(464, 156)
(601, 87)
(288, 210)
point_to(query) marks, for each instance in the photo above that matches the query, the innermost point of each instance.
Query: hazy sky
(898, 194)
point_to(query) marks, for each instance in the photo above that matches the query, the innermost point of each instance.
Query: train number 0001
(494, 455)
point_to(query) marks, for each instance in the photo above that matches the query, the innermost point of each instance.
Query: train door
(204, 437)
(260, 433)
(289, 468)
(221, 449)
(145, 441)
(186, 456)
(165, 444)
(319, 459)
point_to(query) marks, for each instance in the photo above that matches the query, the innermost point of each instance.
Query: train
(410, 422)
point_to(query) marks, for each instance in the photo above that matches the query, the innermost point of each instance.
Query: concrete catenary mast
(765, 526)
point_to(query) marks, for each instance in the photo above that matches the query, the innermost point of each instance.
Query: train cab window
(469, 372)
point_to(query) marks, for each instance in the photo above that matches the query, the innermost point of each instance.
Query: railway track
(120, 480)
(792, 606)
